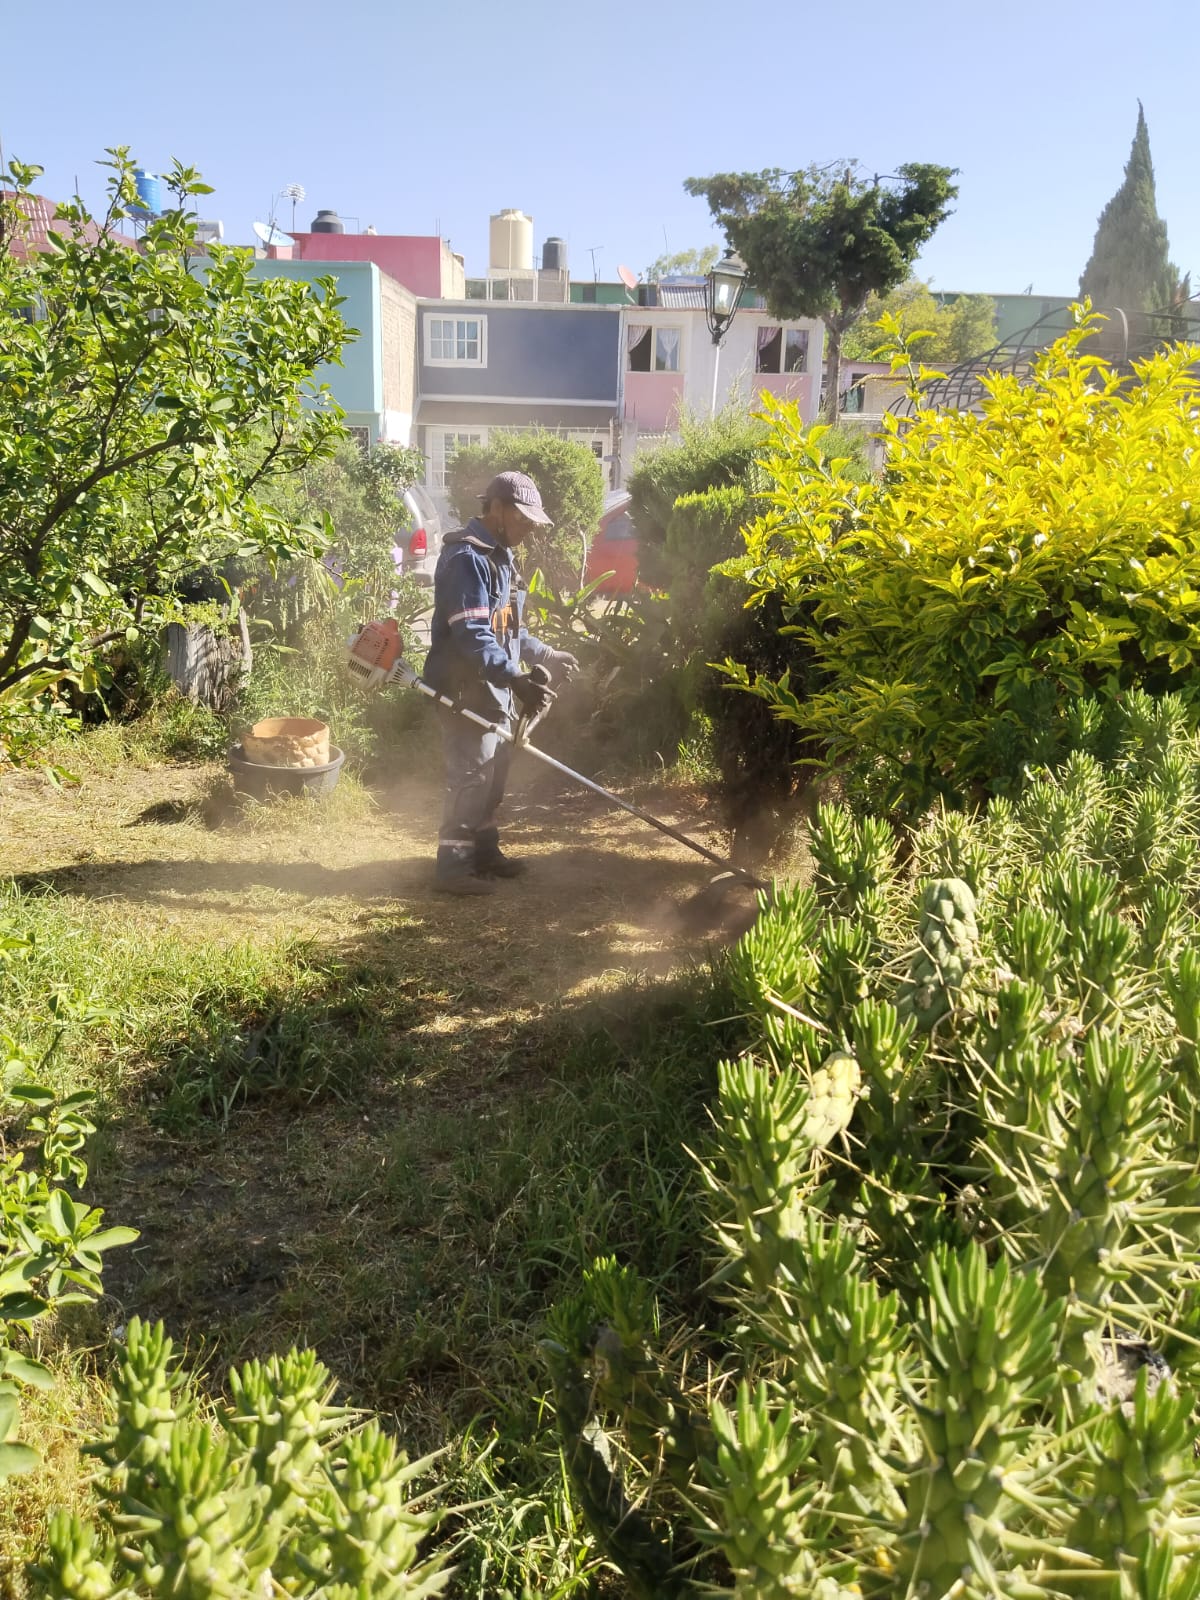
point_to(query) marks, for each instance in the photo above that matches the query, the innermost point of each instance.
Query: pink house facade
(670, 365)
(425, 265)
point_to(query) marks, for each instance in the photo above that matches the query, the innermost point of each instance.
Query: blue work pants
(476, 770)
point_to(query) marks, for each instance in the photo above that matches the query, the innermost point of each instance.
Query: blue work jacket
(478, 638)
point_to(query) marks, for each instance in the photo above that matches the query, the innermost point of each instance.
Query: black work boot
(456, 871)
(490, 860)
(466, 885)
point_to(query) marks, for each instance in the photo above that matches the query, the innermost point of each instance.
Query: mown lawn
(344, 1112)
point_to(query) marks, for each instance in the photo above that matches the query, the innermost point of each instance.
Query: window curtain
(634, 334)
(668, 350)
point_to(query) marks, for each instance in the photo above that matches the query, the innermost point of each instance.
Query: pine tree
(1129, 265)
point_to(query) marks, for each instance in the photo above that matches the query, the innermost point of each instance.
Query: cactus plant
(274, 1496)
(958, 1169)
(946, 939)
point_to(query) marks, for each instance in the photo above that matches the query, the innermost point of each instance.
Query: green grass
(309, 1160)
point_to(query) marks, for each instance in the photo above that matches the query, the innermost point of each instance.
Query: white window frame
(432, 320)
(655, 329)
(780, 372)
(435, 444)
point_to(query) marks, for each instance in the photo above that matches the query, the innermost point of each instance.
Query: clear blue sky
(589, 116)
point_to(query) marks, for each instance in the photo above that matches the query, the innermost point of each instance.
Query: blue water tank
(149, 190)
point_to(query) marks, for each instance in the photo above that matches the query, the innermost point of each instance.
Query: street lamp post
(723, 290)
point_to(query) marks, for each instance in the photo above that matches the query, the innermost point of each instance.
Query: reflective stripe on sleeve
(472, 611)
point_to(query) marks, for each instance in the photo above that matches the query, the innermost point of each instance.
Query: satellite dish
(272, 236)
(627, 277)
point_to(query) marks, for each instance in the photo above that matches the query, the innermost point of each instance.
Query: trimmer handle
(526, 724)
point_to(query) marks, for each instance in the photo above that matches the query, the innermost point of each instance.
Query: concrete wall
(398, 326)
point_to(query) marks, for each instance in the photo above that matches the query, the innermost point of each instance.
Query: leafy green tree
(696, 262)
(818, 243)
(916, 310)
(969, 330)
(572, 486)
(145, 405)
(357, 494)
(1129, 264)
(964, 328)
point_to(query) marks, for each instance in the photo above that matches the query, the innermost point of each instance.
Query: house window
(361, 437)
(854, 400)
(652, 349)
(442, 443)
(456, 341)
(782, 350)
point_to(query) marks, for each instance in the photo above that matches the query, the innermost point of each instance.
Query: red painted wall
(412, 260)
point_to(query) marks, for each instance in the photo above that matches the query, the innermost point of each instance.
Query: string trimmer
(374, 660)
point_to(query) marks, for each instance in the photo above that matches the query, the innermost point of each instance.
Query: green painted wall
(1016, 313)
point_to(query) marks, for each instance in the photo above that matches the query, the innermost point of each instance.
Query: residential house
(41, 221)
(424, 264)
(376, 383)
(672, 368)
(485, 366)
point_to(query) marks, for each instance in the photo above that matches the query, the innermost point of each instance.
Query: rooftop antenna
(594, 251)
(293, 192)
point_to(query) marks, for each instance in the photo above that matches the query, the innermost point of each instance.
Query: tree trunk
(831, 410)
(208, 665)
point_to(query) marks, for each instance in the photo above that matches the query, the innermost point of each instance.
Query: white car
(419, 542)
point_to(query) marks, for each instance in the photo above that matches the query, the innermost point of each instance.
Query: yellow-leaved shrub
(1008, 567)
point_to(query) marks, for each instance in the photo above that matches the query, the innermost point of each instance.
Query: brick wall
(398, 315)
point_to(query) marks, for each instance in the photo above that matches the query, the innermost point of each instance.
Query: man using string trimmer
(478, 650)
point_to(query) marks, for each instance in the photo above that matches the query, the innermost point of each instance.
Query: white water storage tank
(510, 235)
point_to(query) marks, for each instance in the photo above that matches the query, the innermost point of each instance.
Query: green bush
(1011, 564)
(711, 453)
(716, 489)
(952, 1199)
(572, 487)
(357, 494)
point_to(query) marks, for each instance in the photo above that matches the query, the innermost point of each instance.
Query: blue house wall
(533, 352)
(357, 384)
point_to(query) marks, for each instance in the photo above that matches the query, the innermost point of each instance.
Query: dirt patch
(283, 1217)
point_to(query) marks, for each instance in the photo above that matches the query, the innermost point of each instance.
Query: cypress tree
(1129, 265)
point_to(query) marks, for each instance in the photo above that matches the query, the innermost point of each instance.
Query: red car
(615, 548)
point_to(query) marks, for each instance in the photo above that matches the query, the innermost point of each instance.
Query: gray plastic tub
(261, 783)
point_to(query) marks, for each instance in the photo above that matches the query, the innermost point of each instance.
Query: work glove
(563, 661)
(532, 692)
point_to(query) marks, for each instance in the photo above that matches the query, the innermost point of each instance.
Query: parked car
(419, 541)
(615, 547)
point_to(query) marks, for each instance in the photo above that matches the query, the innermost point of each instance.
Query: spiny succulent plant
(852, 855)
(765, 1505)
(988, 1337)
(946, 938)
(1137, 1459)
(280, 1499)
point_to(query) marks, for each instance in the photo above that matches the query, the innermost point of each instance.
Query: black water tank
(554, 255)
(328, 222)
